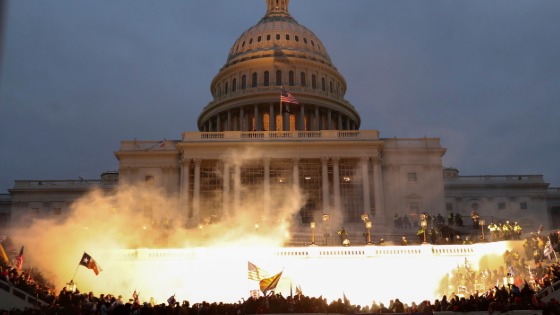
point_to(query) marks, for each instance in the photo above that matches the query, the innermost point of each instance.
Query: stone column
(378, 188)
(196, 197)
(228, 122)
(301, 117)
(272, 118)
(325, 180)
(340, 127)
(226, 189)
(365, 186)
(184, 194)
(317, 119)
(295, 174)
(266, 164)
(336, 182)
(242, 119)
(237, 186)
(258, 126)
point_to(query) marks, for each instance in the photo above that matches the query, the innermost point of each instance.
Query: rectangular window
(414, 207)
(57, 211)
(501, 205)
(149, 180)
(449, 206)
(523, 206)
(411, 177)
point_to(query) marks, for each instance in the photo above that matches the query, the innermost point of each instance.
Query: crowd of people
(512, 286)
(453, 230)
(498, 299)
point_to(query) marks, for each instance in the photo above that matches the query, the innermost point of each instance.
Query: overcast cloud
(78, 77)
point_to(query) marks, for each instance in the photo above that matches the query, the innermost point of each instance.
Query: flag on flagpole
(19, 260)
(256, 273)
(270, 283)
(90, 263)
(287, 97)
(171, 300)
(298, 290)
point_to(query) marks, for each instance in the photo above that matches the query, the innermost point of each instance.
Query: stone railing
(500, 179)
(308, 251)
(13, 297)
(407, 143)
(323, 135)
(63, 184)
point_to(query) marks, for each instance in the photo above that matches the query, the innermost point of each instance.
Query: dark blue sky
(78, 77)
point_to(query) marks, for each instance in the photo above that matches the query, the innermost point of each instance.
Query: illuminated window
(414, 207)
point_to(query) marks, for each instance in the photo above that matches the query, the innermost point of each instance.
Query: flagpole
(75, 272)
(281, 114)
(551, 247)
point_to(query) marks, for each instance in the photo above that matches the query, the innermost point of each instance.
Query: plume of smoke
(138, 217)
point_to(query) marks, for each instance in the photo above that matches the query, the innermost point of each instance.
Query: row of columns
(227, 200)
(317, 119)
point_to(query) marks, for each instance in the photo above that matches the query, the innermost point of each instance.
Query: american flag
(19, 260)
(287, 97)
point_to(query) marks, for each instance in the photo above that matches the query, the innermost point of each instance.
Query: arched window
(278, 77)
(287, 36)
(291, 78)
(259, 38)
(323, 87)
(234, 85)
(243, 82)
(266, 78)
(313, 81)
(226, 89)
(277, 36)
(302, 79)
(254, 80)
(330, 86)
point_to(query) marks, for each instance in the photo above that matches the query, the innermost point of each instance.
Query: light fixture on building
(256, 227)
(346, 179)
(326, 219)
(368, 227)
(365, 217)
(312, 226)
(482, 223)
(307, 177)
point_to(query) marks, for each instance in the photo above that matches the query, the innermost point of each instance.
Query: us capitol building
(252, 147)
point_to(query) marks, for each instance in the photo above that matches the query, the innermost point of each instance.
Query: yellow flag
(270, 283)
(3, 253)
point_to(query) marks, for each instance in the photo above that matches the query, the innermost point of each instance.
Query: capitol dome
(278, 53)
